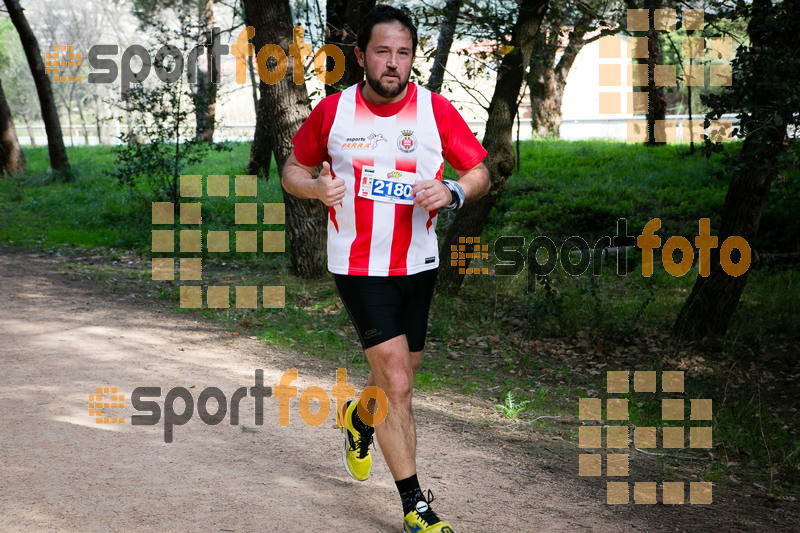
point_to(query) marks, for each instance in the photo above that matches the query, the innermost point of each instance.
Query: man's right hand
(329, 190)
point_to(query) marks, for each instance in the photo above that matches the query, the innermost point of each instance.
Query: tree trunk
(253, 82)
(471, 219)
(98, 118)
(12, 160)
(446, 33)
(29, 128)
(657, 96)
(283, 106)
(55, 142)
(544, 107)
(713, 300)
(69, 123)
(343, 17)
(261, 147)
(83, 122)
(205, 108)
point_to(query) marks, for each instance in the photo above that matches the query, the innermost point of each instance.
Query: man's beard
(386, 91)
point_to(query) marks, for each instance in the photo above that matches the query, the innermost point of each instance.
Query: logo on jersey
(374, 138)
(363, 143)
(407, 142)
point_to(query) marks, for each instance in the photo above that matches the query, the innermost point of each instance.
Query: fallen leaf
(770, 502)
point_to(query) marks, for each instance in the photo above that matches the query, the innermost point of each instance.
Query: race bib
(387, 185)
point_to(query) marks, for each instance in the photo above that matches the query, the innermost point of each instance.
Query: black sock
(410, 493)
(360, 426)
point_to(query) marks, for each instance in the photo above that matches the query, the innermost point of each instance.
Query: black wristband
(456, 193)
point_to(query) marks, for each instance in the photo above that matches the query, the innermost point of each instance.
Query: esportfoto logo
(107, 68)
(143, 401)
(576, 257)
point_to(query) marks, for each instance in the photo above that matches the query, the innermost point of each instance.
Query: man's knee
(393, 369)
(399, 385)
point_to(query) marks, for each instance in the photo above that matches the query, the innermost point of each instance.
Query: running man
(381, 144)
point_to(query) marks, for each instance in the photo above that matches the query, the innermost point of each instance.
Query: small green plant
(510, 408)
(160, 143)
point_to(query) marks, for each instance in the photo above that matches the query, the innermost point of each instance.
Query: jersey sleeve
(460, 147)
(311, 140)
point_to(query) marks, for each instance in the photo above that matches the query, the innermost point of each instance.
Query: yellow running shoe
(355, 452)
(424, 520)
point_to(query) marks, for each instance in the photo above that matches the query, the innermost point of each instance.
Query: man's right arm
(298, 181)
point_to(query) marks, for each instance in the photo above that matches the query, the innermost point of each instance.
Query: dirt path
(60, 471)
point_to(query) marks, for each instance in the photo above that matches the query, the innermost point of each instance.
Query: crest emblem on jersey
(407, 142)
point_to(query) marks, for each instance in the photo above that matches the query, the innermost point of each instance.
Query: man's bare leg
(393, 369)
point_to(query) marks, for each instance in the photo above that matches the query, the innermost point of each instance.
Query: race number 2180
(401, 191)
(387, 185)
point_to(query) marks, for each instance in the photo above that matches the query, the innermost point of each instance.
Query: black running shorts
(384, 307)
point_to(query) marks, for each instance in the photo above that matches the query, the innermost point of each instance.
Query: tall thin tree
(207, 80)
(446, 35)
(52, 125)
(656, 95)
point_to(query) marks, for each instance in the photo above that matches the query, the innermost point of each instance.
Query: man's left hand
(431, 194)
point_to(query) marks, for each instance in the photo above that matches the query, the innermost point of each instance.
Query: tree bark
(98, 118)
(656, 96)
(550, 80)
(83, 122)
(471, 219)
(12, 160)
(545, 107)
(205, 109)
(261, 147)
(284, 107)
(253, 82)
(55, 142)
(29, 128)
(713, 300)
(446, 33)
(343, 17)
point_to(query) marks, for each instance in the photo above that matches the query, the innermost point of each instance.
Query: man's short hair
(380, 14)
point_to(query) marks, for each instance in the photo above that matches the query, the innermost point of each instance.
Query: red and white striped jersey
(374, 238)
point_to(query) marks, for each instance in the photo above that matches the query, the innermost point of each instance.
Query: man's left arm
(433, 194)
(475, 182)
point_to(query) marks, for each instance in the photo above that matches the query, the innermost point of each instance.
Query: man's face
(387, 62)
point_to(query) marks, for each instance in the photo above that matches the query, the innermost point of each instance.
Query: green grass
(501, 337)
(95, 211)
(583, 188)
